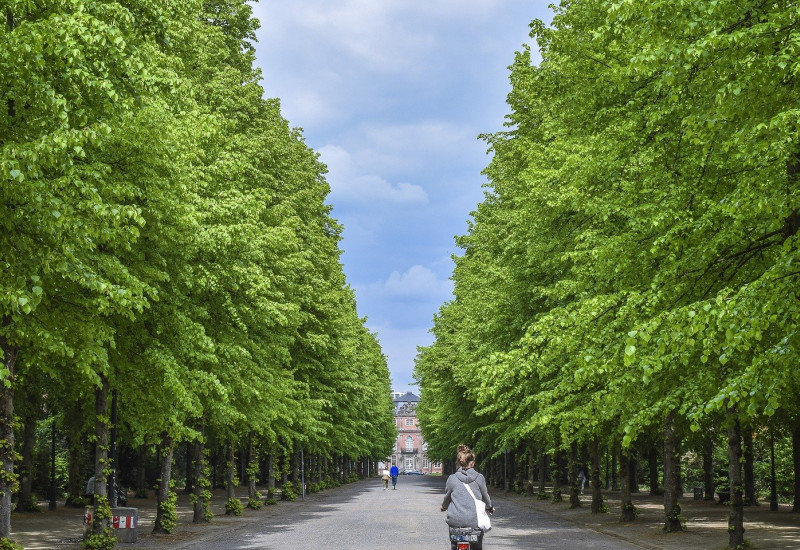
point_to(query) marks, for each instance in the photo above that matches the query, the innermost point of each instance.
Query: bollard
(124, 522)
(698, 493)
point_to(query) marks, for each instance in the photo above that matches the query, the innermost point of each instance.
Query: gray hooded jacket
(459, 503)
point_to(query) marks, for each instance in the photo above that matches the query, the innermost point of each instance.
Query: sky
(393, 95)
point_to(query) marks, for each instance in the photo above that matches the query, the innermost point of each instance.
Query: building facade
(410, 449)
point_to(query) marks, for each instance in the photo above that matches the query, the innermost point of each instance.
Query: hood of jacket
(466, 475)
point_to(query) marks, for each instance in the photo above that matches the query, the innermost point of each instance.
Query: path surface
(362, 516)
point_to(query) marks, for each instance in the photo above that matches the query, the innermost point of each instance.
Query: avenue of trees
(629, 286)
(164, 240)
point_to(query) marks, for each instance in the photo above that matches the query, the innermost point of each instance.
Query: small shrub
(271, 501)
(288, 491)
(233, 506)
(556, 495)
(8, 544)
(255, 503)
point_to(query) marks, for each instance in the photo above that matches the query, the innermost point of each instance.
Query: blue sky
(393, 94)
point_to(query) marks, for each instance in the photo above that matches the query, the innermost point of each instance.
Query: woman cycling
(459, 502)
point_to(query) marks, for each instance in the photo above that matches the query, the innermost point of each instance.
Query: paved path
(363, 516)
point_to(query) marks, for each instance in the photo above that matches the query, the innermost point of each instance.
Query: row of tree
(632, 273)
(164, 237)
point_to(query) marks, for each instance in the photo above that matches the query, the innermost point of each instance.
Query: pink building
(410, 449)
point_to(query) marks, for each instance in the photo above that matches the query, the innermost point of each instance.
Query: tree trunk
(542, 471)
(271, 472)
(653, 464)
(614, 479)
(594, 457)
(574, 484)
(627, 510)
(252, 463)
(672, 508)
(141, 472)
(531, 470)
(162, 494)
(750, 497)
(736, 515)
(7, 479)
(199, 508)
(26, 502)
(634, 471)
(796, 462)
(100, 521)
(708, 466)
(230, 470)
(76, 485)
(190, 480)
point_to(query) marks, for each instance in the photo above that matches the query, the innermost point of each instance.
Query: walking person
(393, 473)
(466, 500)
(582, 477)
(385, 478)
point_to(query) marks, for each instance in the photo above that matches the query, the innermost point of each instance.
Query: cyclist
(459, 502)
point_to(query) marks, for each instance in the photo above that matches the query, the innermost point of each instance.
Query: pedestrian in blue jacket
(394, 472)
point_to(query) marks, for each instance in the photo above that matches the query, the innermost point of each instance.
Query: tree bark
(653, 464)
(162, 495)
(542, 471)
(796, 462)
(101, 523)
(251, 475)
(7, 479)
(574, 484)
(750, 497)
(708, 466)
(26, 502)
(672, 508)
(627, 510)
(594, 458)
(141, 472)
(230, 469)
(614, 478)
(736, 514)
(531, 470)
(199, 508)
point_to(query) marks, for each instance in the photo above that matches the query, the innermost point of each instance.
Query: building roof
(407, 398)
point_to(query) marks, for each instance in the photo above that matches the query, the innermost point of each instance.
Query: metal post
(52, 505)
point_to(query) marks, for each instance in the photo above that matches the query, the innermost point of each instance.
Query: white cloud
(419, 281)
(347, 183)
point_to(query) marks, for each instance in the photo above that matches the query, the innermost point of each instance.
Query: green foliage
(636, 251)
(8, 544)
(233, 506)
(255, 503)
(169, 508)
(288, 491)
(106, 541)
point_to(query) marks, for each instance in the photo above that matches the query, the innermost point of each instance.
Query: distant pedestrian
(394, 472)
(582, 478)
(385, 478)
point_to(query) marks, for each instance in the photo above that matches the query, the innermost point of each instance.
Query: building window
(425, 462)
(409, 444)
(409, 463)
(437, 464)
(409, 421)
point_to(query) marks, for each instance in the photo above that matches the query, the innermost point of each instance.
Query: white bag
(480, 507)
